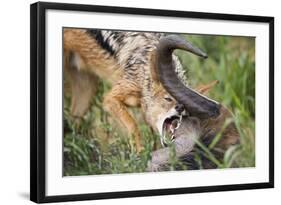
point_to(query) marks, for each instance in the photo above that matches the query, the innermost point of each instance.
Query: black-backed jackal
(143, 72)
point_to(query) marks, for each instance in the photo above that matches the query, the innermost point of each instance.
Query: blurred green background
(97, 145)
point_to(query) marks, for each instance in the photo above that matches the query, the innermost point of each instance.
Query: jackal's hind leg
(83, 85)
(83, 88)
(115, 103)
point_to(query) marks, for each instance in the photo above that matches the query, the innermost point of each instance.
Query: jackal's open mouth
(170, 125)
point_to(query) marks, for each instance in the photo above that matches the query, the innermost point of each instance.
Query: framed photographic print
(129, 102)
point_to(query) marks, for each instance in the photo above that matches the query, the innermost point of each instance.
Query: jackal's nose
(179, 108)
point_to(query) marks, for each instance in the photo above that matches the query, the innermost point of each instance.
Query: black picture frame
(38, 101)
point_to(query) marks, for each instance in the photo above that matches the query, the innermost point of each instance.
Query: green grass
(97, 145)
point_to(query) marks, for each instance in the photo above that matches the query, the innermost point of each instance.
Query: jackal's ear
(153, 67)
(205, 88)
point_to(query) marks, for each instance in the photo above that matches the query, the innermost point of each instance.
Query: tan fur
(94, 60)
(82, 90)
(92, 63)
(83, 82)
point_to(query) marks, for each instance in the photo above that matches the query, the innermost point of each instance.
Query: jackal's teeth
(171, 128)
(173, 138)
(178, 122)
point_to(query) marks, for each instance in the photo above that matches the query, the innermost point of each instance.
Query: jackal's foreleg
(115, 103)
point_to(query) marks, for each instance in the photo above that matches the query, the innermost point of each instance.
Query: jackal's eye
(168, 99)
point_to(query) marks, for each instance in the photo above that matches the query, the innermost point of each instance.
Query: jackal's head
(170, 98)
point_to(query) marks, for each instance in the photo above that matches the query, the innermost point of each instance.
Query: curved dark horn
(195, 103)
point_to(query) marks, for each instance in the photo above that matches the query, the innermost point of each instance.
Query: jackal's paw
(139, 149)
